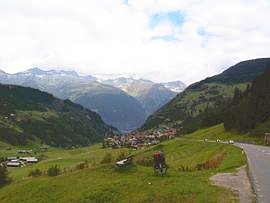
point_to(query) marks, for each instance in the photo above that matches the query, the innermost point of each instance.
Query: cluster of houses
(23, 157)
(20, 161)
(138, 139)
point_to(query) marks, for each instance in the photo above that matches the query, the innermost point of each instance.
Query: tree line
(250, 107)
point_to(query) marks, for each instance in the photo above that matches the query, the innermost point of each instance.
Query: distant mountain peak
(33, 71)
(175, 86)
(38, 71)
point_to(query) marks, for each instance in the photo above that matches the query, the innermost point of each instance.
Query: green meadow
(256, 136)
(137, 183)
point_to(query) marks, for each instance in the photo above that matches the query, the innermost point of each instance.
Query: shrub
(35, 172)
(212, 163)
(107, 159)
(82, 165)
(53, 171)
(4, 179)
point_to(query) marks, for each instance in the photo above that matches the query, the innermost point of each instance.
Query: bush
(212, 163)
(53, 171)
(35, 172)
(82, 165)
(4, 179)
(107, 159)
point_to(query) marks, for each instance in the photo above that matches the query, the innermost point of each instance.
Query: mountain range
(151, 95)
(122, 102)
(208, 98)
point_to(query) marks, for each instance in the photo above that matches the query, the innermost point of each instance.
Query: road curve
(259, 165)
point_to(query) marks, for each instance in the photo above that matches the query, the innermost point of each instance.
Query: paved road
(259, 164)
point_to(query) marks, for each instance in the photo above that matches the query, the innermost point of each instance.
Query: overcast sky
(161, 40)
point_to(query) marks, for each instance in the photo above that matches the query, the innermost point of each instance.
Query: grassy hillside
(105, 183)
(188, 108)
(210, 96)
(218, 132)
(29, 115)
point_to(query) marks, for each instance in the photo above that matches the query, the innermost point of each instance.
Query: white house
(29, 159)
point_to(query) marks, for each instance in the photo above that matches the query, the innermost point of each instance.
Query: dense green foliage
(203, 103)
(29, 115)
(250, 107)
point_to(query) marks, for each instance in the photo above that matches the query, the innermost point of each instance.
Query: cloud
(176, 18)
(154, 39)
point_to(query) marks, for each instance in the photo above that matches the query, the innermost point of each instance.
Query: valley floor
(184, 182)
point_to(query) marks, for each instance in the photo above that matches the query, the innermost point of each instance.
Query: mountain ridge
(189, 108)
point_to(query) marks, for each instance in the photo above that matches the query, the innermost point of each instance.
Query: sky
(160, 40)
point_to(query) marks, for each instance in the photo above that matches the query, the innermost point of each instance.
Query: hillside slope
(189, 108)
(29, 115)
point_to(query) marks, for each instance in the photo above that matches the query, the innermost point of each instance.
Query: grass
(218, 132)
(137, 183)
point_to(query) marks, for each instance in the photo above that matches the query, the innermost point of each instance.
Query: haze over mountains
(122, 102)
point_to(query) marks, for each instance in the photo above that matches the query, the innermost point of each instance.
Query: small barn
(267, 138)
(14, 164)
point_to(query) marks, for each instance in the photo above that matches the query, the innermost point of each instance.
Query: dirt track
(237, 182)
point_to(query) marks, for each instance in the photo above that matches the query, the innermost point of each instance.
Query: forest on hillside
(251, 107)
